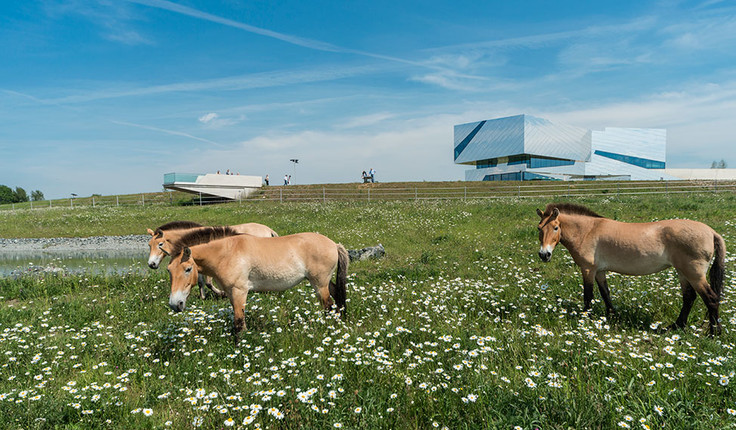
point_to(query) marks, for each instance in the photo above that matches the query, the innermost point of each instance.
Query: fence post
(71, 203)
(715, 185)
(465, 194)
(31, 204)
(416, 194)
(93, 201)
(369, 194)
(143, 200)
(49, 203)
(324, 196)
(519, 190)
(117, 200)
(666, 188)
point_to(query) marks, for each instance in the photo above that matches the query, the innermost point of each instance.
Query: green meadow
(460, 326)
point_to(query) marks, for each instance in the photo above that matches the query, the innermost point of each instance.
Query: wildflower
(358, 410)
(659, 410)
(229, 422)
(723, 381)
(148, 412)
(731, 411)
(197, 422)
(337, 425)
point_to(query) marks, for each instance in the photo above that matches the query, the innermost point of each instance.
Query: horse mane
(175, 225)
(571, 209)
(202, 235)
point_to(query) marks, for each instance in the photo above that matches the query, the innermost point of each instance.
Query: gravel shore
(128, 243)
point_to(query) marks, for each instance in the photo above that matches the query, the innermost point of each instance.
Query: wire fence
(392, 192)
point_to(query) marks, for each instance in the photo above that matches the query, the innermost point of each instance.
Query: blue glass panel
(636, 161)
(170, 178)
(461, 146)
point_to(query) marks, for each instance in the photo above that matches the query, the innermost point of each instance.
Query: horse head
(155, 243)
(549, 233)
(184, 274)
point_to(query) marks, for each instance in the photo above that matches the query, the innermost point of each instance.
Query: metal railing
(389, 192)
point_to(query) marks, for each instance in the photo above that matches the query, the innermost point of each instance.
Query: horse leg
(688, 298)
(237, 299)
(322, 288)
(201, 285)
(711, 302)
(600, 279)
(588, 282)
(218, 292)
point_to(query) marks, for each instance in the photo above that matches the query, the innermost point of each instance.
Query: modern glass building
(523, 147)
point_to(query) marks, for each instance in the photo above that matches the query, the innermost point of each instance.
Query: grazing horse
(244, 263)
(176, 229)
(598, 245)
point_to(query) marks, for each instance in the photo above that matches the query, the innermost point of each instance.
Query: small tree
(6, 194)
(37, 196)
(719, 164)
(20, 195)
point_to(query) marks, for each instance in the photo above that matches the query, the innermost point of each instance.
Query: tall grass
(459, 326)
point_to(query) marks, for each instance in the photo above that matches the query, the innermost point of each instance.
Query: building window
(537, 162)
(636, 161)
(515, 176)
(519, 159)
(489, 162)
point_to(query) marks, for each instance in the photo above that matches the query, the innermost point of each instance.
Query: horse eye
(188, 269)
(557, 228)
(160, 244)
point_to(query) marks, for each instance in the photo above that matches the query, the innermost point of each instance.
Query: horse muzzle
(177, 302)
(545, 256)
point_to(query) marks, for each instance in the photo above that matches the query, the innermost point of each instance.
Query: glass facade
(522, 147)
(636, 161)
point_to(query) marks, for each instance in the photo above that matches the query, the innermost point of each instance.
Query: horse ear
(186, 254)
(150, 231)
(555, 213)
(540, 213)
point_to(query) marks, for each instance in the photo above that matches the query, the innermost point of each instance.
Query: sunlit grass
(459, 326)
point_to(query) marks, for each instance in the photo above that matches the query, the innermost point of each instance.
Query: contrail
(163, 130)
(294, 40)
(127, 124)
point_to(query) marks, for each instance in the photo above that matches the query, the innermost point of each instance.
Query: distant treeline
(8, 195)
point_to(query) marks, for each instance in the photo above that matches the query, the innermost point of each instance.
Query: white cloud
(207, 117)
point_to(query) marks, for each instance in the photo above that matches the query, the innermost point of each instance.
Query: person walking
(266, 180)
(372, 174)
(286, 179)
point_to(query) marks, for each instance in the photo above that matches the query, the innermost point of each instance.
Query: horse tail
(341, 279)
(718, 268)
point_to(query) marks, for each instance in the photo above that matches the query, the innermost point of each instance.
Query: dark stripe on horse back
(461, 146)
(178, 225)
(202, 235)
(571, 209)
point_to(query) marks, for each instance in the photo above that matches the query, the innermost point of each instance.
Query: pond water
(93, 262)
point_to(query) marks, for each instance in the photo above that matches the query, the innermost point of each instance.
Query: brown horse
(244, 263)
(176, 229)
(598, 245)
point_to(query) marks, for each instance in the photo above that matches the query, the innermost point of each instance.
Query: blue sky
(105, 96)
